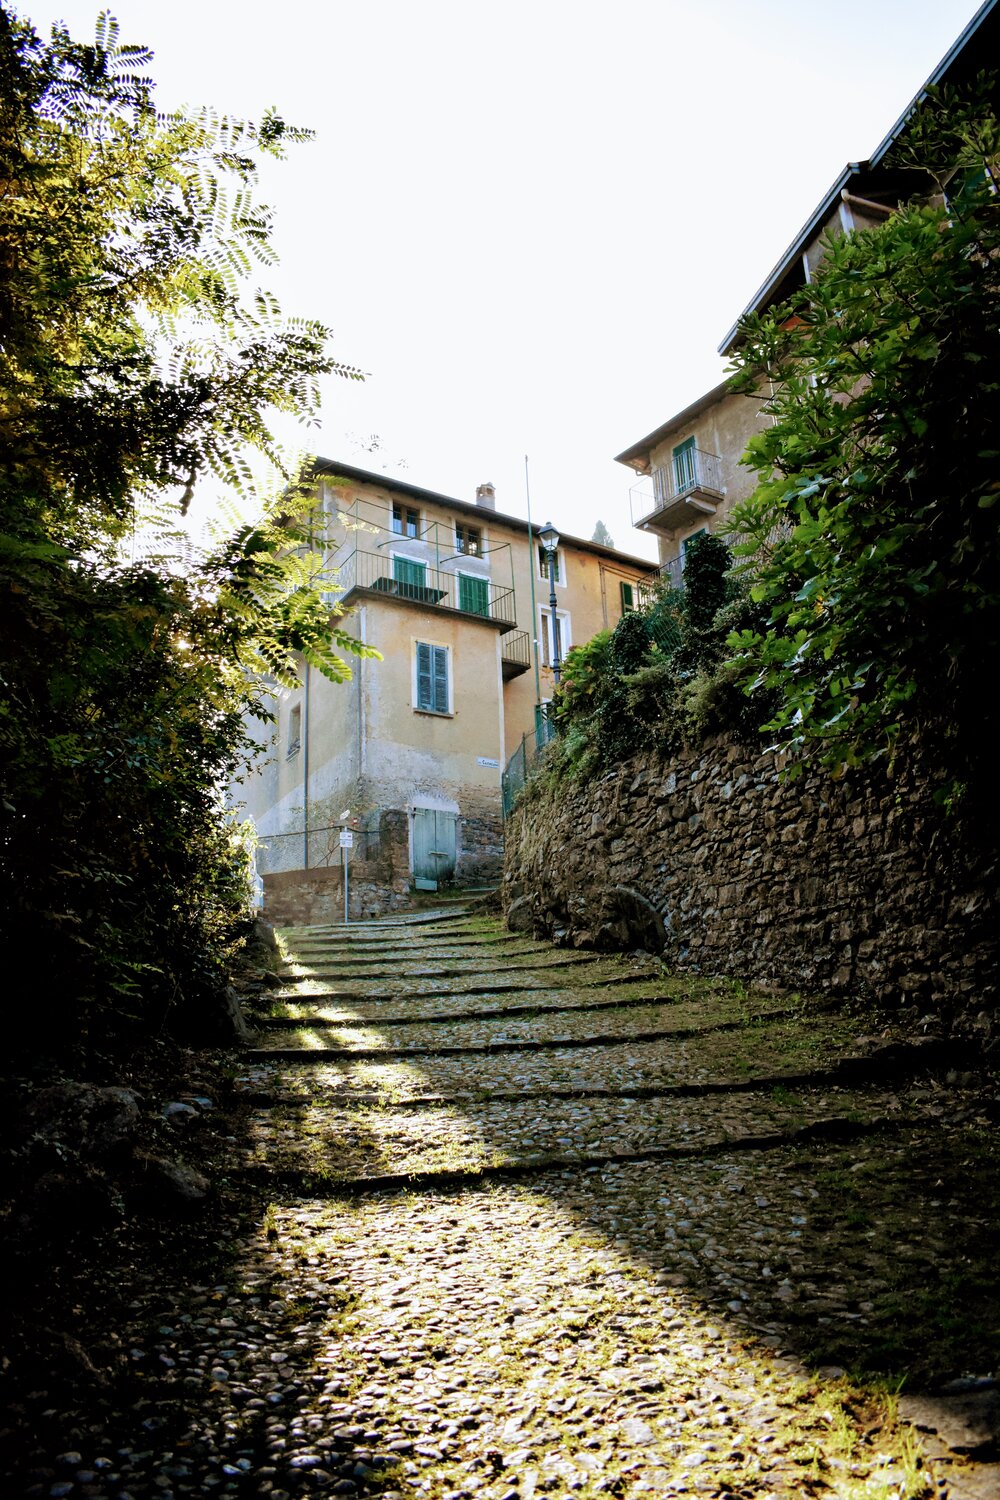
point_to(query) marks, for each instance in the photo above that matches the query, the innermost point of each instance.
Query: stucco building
(455, 596)
(690, 472)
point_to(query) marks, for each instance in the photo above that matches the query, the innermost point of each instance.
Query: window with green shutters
(432, 678)
(628, 598)
(411, 577)
(473, 594)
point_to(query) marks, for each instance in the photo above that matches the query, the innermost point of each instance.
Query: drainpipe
(531, 581)
(305, 771)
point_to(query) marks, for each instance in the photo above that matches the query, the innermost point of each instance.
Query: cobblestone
(623, 1328)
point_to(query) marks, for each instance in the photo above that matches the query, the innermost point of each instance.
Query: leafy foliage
(872, 534)
(135, 362)
(656, 678)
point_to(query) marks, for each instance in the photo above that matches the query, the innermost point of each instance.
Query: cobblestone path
(545, 1222)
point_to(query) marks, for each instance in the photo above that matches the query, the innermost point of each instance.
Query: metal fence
(417, 583)
(524, 762)
(276, 849)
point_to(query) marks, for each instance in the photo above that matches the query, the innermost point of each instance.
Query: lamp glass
(549, 537)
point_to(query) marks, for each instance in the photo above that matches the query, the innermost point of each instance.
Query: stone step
(420, 968)
(313, 989)
(371, 1012)
(622, 1064)
(482, 944)
(915, 1064)
(422, 1043)
(319, 1182)
(384, 953)
(358, 1142)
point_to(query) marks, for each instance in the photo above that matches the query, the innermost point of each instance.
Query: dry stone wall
(724, 867)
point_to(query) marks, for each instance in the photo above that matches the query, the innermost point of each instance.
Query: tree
(136, 361)
(602, 535)
(871, 537)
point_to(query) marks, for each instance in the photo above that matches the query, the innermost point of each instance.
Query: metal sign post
(346, 842)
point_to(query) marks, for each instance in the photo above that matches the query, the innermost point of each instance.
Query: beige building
(691, 474)
(455, 597)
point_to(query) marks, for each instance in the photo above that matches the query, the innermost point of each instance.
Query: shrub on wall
(661, 676)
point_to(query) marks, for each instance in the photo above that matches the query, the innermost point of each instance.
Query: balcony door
(473, 594)
(685, 466)
(411, 577)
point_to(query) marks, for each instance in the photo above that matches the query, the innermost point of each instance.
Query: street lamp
(549, 538)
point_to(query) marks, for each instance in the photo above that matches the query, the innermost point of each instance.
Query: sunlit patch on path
(570, 1225)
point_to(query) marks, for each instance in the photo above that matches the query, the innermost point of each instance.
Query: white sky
(534, 223)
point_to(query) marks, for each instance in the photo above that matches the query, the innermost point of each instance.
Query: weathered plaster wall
(809, 884)
(724, 428)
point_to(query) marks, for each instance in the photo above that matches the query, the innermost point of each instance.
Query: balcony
(515, 654)
(686, 491)
(405, 581)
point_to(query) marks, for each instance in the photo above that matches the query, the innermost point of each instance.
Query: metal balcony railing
(417, 583)
(515, 652)
(691, 470)
(689, 486)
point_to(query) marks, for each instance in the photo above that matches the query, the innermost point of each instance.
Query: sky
(532, 224)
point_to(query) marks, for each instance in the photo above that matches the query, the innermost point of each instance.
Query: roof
(639, 450)
(871, 177)
(330, 466)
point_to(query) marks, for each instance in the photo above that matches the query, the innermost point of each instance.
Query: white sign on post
(346, 838)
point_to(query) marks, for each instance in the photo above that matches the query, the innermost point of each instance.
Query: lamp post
(549, 538)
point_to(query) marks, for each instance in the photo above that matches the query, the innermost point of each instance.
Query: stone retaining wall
(480, 852)
(859, 886)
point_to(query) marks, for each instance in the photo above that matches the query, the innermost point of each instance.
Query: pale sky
(534, 223)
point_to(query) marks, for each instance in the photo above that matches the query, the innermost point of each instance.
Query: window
(405, 521)
(563, 639)
(473, 594)
(294, 730)
(432, 679)
(411, 578)
(685, 466)
(468, 539)
(686, 543)
(543, 564)
(628, 597)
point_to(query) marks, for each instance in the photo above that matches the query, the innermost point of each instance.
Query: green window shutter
(628, 598)
(411, 576)
(432, 678)
(686, 543)
(685, 466)
(473, 595)
(425, 676)
(440, 655)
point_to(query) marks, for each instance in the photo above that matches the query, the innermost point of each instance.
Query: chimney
(486, 496)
